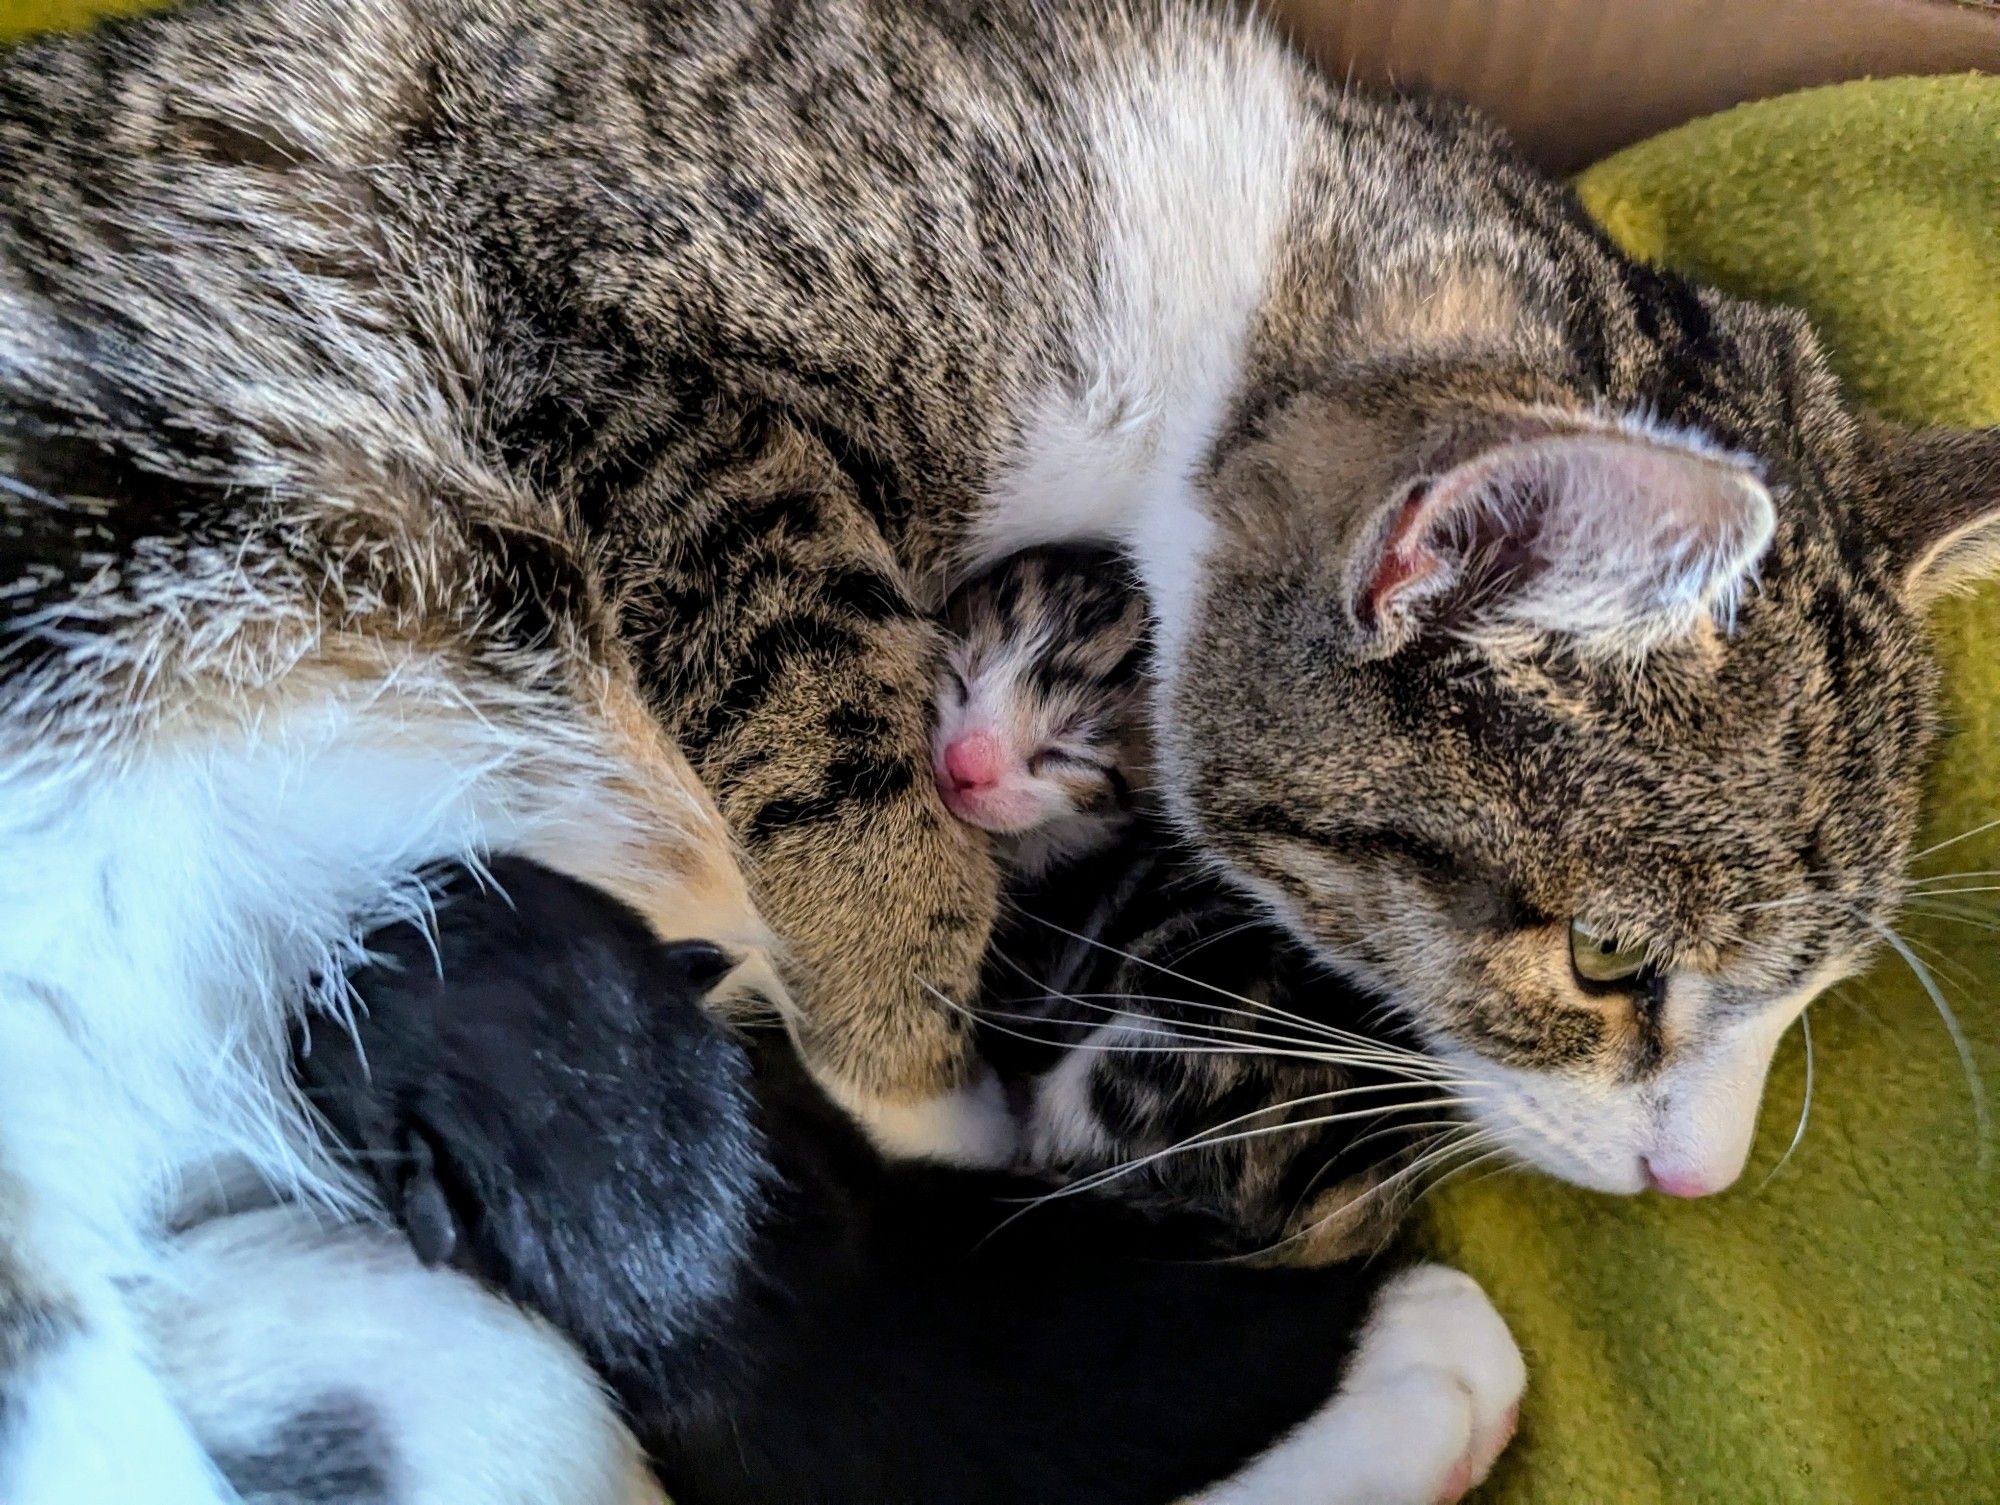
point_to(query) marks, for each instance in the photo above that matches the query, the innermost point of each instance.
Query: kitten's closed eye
(1067, 760)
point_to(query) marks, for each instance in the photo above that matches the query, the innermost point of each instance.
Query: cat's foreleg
(812, 725)
(1427, 1403)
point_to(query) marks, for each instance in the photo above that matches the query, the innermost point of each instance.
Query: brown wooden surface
(1577, 79)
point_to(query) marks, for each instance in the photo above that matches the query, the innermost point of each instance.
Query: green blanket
(1833, 1334)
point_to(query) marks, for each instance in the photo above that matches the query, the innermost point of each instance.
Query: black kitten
(783, 1316)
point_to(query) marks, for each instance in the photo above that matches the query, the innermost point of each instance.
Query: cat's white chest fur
(1196, 152)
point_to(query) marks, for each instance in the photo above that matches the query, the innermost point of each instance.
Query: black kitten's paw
(702, 964)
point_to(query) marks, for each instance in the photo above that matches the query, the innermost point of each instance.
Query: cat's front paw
(968, 1125)
(1438, 1364)
(1427, 1404)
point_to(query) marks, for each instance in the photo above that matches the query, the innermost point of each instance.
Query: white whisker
(1918, 884)
(1388, 1057)
(1196, 982)
(1213, 1138)
(1953, 1028)
(1952, 841)
(1185, 1045)
(1805, 1105)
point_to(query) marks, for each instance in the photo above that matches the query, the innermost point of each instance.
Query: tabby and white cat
(423, 421)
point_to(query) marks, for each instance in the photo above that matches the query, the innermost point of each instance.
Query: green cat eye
(1599, 960)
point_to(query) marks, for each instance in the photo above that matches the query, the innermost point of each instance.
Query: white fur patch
(165, 911)
(93, 1425)
(1063, 1128)
(264, 1317)
(1427, 1405)
(969, 1125)
(1694, 1121)
(1195, 146)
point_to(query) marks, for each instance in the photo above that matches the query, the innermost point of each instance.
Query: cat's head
(1591, 739)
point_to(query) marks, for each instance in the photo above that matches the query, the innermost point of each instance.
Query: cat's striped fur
(422, 420)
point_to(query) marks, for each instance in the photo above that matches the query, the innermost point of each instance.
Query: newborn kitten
(1040, 733)
(1139, 1006)
(1176, 1049)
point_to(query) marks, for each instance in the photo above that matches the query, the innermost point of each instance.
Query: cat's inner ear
(1937, 506)
(1613, 540)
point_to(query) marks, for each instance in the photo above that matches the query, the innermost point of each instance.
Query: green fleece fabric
(20, 18)
(1833, 1333)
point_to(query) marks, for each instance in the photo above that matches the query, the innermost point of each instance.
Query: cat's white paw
(971, 1125)
(1428, 1403)
(1438, 1363)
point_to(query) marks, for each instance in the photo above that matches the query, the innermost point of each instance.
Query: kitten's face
(1595, 748)
(1038, 702)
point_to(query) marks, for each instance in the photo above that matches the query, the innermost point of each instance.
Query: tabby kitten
(1171, 1044)
(426, 422)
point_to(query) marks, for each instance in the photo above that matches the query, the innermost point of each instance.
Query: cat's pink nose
(974, 761)
(1675, 1182)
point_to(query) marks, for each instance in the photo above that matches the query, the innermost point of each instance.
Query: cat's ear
(1608, 538)
(1936, 506)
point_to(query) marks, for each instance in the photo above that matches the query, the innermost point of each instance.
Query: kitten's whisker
(1220, 936)
(1805, 1104)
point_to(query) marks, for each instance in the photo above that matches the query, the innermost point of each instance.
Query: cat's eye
(958, 685)
(1598, 959)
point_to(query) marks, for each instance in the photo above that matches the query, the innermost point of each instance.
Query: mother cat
(422, 420)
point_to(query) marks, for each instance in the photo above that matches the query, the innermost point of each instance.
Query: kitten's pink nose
(1675, 1182)
(973, 761)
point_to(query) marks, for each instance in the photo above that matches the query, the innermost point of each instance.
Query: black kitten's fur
(783, 1316)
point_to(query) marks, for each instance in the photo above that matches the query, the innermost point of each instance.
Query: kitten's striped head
(1040, 733)
(1578, 702)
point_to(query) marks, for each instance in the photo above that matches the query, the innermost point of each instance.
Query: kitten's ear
(1608, 538)
(1937, 506)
